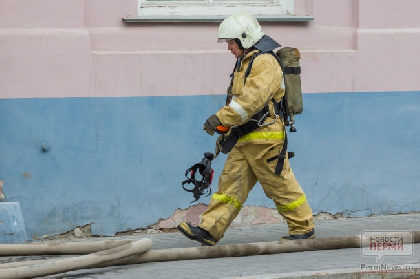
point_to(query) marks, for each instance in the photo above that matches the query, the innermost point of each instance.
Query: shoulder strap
(248, 69)
(235, 68)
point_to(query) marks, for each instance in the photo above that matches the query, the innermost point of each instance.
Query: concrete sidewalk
(343, 263)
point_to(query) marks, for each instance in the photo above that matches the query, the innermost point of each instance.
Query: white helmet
(243, 26)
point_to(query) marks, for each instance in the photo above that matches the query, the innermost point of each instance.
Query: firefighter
(255, 155)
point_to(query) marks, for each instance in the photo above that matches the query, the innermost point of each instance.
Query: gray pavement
(342, 263)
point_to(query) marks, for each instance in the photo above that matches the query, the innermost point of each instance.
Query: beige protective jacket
(263, 84)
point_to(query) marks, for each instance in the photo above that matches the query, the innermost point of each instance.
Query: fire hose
(36, 269)
(137, 252)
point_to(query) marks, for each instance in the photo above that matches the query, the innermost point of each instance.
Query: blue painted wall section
(358, 153)
(118, 163)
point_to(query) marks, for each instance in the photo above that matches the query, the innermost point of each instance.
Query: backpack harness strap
(292, 70)
(281, 157)
(244, 129)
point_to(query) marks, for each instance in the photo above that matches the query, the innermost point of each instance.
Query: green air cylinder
(290, 58)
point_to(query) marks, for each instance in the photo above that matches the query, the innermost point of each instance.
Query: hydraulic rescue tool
(201, 186)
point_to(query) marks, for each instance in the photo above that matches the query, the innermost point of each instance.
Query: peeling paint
(249, 215)
(78, 232)
(328, 216)
(191, 214)
(256, 215)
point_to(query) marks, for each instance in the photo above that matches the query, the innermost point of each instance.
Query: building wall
(120, 108)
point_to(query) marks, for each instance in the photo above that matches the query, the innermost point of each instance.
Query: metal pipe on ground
(74, 263)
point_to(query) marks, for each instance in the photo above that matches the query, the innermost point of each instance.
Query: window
(213, 10)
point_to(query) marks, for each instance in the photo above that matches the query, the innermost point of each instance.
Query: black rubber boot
(308, 235)
(197, 233)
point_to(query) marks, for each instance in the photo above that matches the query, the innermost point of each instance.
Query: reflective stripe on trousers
(292, 205)
(226, 199)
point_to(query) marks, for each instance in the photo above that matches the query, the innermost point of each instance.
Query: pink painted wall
(58, 48)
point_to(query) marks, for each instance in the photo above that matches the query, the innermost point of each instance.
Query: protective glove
(219, 148)
(211, 124)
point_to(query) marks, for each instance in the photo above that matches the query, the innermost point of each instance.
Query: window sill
(262, 18)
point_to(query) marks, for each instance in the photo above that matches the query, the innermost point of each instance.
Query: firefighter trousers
(244, 166)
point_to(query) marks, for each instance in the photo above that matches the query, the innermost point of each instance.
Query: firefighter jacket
(261, 87)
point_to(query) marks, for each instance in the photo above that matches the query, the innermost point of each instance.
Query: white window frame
(214, 8)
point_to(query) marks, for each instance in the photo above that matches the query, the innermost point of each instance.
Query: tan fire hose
(249, 249)
(233, 250)
(59, 248)
(87, 261)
